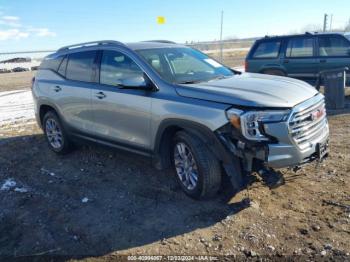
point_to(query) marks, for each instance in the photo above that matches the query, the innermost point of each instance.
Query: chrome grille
(308, 122)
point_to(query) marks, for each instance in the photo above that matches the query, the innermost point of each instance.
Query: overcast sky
(44, 24)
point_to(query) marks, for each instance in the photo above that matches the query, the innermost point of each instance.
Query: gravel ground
(98, 203)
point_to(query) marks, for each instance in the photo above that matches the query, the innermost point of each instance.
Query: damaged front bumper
(300, 139)
(275, 154)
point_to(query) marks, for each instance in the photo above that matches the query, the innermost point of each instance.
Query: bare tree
(311, 28)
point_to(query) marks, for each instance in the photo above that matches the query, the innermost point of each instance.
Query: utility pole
(330, 23)
(221, 43)
(325, 22)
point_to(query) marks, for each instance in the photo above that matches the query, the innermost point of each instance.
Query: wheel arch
(168, 128)
(44, 108)
(273, 67)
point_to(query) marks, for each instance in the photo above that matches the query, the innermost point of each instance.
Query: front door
(121, 115)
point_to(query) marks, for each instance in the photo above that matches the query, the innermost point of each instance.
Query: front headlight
(251, 122)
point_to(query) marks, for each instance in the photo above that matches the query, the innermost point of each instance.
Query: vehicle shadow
(92, 202)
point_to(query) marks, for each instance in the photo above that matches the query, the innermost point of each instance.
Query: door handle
(323, 61)
(286, 61)
(100, 95)
(57, 88)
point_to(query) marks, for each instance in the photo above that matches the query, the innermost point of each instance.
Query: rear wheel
(274, 72)
(55, 134)
(197, 170)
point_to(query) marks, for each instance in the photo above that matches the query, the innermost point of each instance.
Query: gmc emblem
(317, 114)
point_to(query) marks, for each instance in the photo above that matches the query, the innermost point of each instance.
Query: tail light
(246, 66)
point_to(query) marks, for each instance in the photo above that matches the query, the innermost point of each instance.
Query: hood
(252, 90)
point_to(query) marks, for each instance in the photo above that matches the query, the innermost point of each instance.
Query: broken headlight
(251, 122)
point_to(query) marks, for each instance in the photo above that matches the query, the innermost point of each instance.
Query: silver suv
(181, 108)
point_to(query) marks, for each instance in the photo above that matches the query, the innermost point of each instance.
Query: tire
(55, 134)
(206, 166)
(274, 72)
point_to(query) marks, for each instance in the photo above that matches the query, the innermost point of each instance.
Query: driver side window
(116, 68)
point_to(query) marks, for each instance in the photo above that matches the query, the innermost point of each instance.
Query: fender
(202, 132)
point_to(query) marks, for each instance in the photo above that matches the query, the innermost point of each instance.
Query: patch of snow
(21, 190)
(16, 105)
(8, 184)
(85, 200)
(47, 172)
(239, 68)
(213, 51)
(28, 65)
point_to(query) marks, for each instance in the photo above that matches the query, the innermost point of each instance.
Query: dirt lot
(97, 203)
(16, 81)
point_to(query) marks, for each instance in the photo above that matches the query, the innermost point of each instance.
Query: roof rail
(102, 42)
(161, 41)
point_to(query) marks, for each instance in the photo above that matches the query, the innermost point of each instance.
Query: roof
(151, 45)
(305, 34)
(134, 46)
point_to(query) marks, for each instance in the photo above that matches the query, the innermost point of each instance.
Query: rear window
(300, 47)
(268, 49)
(51, 63)
(63, 66)
(80, 66)
(333, 46)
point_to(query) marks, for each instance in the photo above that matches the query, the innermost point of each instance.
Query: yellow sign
(161, 20)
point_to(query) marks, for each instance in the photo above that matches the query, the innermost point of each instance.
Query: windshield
(347, 35)
(184, 65)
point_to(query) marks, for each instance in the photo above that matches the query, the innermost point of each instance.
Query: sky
(42, 24)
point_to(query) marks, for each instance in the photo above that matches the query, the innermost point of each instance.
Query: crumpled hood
(252, 90)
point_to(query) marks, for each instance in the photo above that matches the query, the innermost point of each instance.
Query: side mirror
(137, 82)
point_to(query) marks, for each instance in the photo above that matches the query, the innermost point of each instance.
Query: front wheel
(197, 170)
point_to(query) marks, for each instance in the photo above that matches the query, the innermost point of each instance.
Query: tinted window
(333, 46)
(300, 47)
(116, 68)
(63, 66)
(80, 66)
(268, 49)
(51, 63)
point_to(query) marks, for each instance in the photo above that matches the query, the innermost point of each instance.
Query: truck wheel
(55, 135)
(274, 72)
(197, 170)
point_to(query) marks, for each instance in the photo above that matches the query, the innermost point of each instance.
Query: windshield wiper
(191, 82)
(218, 77)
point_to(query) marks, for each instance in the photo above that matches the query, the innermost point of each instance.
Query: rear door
(73, 95)
(121, 116)
(299, 58)
(333, 52)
